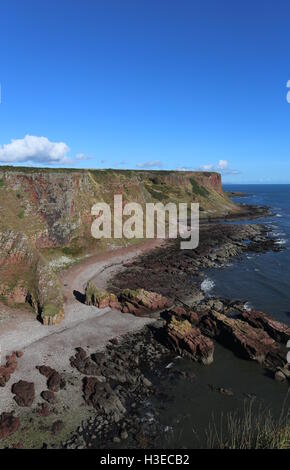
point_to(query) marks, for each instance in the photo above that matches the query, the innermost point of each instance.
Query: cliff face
(46, 209)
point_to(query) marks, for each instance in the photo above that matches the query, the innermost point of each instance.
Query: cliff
(45, 216)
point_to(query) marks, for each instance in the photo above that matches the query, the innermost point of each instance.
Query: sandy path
(84, 326)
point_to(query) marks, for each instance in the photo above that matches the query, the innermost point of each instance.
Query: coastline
(118, 269)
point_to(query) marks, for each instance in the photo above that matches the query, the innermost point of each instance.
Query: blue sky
(147, 84)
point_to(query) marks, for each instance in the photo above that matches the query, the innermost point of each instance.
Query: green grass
(196, 189)
(21, 214)
(251, 430)
(1, 183)
(49, 310)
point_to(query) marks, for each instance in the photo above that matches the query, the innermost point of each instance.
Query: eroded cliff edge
(45, 219)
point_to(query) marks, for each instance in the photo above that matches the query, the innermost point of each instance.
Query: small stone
(124, 435)
(146, 382)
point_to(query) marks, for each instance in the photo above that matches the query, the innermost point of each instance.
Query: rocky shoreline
(121, 383)
(186, 329)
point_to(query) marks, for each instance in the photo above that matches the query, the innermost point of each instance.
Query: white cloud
(33, 149)
(223, 167)
(223, 164)
(207, 167)
(150, 164)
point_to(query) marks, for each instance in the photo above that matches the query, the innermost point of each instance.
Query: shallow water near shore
(262, 280)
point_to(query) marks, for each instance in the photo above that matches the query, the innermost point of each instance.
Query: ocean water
(261, 280)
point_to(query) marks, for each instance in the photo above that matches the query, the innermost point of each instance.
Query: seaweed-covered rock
(99, 298)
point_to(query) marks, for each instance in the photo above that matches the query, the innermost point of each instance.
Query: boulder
(99, 298)
(24, 393)
(9, 424)
(9, 368)
(102, 397)
(54, 379)
(83, 363)
(48, 396)
(140, 302)
(189, 341)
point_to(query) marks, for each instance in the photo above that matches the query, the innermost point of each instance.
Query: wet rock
(188, 340)
(222, 390)
(283, 374)
(24, 393)
(101, 396)
(146, 382)
(9, 424)
(243, 339)
(84, 364)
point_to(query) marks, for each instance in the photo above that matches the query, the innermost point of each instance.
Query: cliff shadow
(79, 296)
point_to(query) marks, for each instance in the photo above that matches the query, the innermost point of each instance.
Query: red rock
(54, 382)
(185, 314)
(140, 302)
(24, 393)
(48, 396)
(277, 330)
(9, 424)
(243, 339)
(45, 370)
(9, 368)
(188, 340)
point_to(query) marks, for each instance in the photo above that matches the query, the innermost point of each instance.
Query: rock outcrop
(24, 393)
(138, 302)
(244, 339)
(188, 340)
(277, 330)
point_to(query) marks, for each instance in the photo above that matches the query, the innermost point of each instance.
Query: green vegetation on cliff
(45, 214)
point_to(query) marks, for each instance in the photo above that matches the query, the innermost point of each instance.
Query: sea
(194, 408)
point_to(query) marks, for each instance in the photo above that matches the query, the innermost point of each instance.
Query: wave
(207, 285)
(248, 306)
(281, 241)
